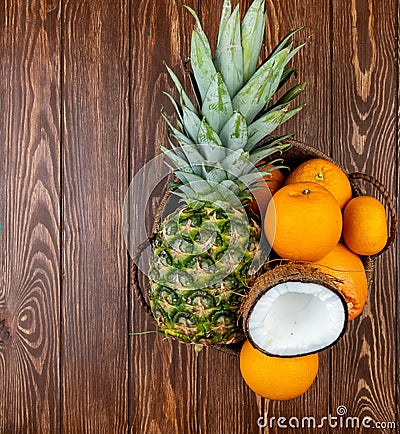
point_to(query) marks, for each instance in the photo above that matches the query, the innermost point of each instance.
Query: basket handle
(388, 202)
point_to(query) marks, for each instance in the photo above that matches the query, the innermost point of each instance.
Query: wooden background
(81, 90)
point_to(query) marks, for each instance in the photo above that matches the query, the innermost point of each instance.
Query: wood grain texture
(364, 139)
(30, 215)
(163, 373)
(313, 124)
(80, 97)
(94, 358)
(396, 246)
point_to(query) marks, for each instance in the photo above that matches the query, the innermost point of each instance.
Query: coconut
(294, 310)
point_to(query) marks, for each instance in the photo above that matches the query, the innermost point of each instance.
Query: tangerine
(277, 378)
(273, 181)
(326, 174)
(364, 225)
(303, 222)
(346, 266)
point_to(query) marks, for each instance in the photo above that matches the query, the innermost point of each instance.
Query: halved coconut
(294, 310)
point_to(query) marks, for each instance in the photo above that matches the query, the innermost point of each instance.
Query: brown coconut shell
(290, 272)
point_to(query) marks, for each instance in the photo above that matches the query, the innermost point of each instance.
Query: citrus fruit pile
(312, 220)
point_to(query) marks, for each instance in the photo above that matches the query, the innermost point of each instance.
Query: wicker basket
(297, 154)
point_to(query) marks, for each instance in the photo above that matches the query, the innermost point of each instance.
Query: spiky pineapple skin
(200, 272)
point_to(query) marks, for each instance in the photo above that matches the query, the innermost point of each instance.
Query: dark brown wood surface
(30, 196)
(80, 97)
(94, 300)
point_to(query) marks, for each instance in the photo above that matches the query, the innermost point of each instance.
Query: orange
(276, 377)
(262, 194)
(303, 222)
(326, 174)
(364, 225)
(346, 266)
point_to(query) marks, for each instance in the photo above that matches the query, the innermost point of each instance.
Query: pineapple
(206, 251)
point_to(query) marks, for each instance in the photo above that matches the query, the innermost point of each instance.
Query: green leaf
(207, 135)
(194, 157)
(228, 58)
(186, 100)
(250, 178)
(191, 122)
(202, 64)
(202, 187)
(176, 159)
(226, 13)
(187, 148)
(217, 105)
(187, 178)
(211, 152)
(286, 75)
(234, 162)
(180, 137)
(234, 133)
(277, 163)
(185, 192)
(186, 158)
(290, 95)
(175, 104)
(232, 187)
(297, 49)
(264, 126)
(253, 27)
(217, 174)
(171, 185)
(264, 152)
(273, 140)
(285, 42)
(261, 87)
(200, 31)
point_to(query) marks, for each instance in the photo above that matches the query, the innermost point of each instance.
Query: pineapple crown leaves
(222, 136)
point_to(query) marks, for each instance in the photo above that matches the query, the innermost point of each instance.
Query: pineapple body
(200, 272)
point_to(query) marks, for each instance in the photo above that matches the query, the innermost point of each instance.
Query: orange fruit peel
(348, 268)
(303, 222)
(364, 225)
(326, 174)
(277, 378)
(272, 182)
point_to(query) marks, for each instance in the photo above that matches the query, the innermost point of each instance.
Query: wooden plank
(312, 124)
(397, 204)
(365, 139)
(95, 150)
(163, 373)
(29, 214)
(226, 404)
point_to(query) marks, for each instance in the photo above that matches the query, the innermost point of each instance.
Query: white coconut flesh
(297, 318)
